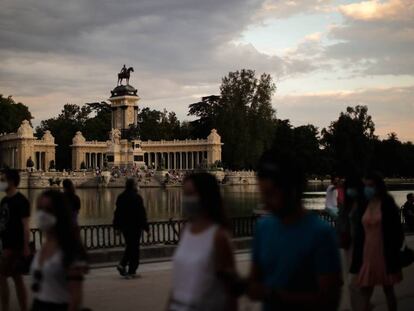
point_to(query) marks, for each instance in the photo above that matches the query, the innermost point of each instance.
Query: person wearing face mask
(203, 264)
(59, 266)
(378, 240)
(14, 235)
(295, 261)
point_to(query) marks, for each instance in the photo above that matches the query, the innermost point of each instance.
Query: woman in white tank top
(204, 254)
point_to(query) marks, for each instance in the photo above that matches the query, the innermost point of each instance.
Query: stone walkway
(106, 291)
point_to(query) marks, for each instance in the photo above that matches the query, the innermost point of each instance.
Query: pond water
(98, 204)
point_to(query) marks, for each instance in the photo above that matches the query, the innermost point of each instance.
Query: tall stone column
(195, 156)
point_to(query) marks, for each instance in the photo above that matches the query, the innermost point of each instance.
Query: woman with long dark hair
(59, 266)
(377, 244)
(203, 264)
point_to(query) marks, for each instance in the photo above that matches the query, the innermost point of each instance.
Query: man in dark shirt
(130, 218)
(72, 198)
(408, 211)
(295, 263)
(14, 236)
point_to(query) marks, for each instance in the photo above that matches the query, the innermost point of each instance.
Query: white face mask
(3, 185)
(191, 206)
(45, 221)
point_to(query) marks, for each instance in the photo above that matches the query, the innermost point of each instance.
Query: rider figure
(124, 69)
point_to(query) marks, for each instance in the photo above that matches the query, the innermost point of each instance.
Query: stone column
(124, 117)
(195, 156)
(88, 160)
(40, 161)
(135, 116)
(156, 159)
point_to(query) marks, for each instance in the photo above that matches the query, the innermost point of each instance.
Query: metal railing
(162, 232)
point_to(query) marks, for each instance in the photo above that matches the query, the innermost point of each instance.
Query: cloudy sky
(323, 54)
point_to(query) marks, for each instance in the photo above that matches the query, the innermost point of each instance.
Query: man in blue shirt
(296, 263)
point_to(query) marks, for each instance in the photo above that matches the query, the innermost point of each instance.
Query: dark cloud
(76, 47)
(376, 38)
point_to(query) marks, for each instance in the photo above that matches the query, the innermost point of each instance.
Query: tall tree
(348, 140)
(98, 126)
(206, 110)
(243, 115)
(12, 114)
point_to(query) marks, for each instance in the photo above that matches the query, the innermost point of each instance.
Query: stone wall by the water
(87, 179)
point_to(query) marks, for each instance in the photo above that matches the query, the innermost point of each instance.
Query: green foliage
(12, 114)
(158, 125)
(242, 114)
(98, 126)
(393, 158)
(244, 117)
(302, 142)
(94, 120)
(348, 140)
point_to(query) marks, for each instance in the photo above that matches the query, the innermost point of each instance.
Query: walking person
(295, 263)
(332, 196)
(408, 212)
(377, 245)
(203, 264)
(130, 218)
(59, 266)
(14, 233)
(72, 198)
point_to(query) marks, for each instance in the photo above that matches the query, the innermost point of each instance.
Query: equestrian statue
(124, 74)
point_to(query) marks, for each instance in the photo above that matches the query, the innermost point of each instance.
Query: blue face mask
(369, 192)
(351, 193)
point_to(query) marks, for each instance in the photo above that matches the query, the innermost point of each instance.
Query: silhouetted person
(408, 211)
(72, 198)
(347, 224)
(130, 218)
(296, 263)
(60, 264)
(203, 264)
(14, 233)
(332, 195)
(377, 244)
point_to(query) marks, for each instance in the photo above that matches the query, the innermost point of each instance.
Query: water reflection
(98, 204)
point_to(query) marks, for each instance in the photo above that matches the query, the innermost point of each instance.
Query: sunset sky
(324, 55)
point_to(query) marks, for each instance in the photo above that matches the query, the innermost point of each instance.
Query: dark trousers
(409, 220)
(131, 252)
(48, 306)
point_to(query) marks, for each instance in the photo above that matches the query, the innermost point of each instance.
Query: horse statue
(125, 74)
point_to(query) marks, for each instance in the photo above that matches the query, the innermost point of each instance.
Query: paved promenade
(106, 291)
